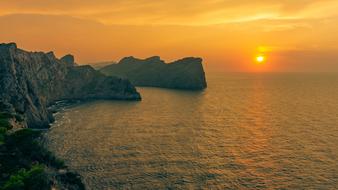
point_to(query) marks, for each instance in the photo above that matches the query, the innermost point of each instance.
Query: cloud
(174, 12)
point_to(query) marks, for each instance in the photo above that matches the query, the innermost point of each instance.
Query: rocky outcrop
(186, 73)
(30, 81)
(69, 60)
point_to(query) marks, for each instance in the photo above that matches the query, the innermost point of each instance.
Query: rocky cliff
(69, 60)
(186, 73)
(30, 81)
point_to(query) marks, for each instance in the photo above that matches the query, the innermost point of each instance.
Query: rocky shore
(33, 86)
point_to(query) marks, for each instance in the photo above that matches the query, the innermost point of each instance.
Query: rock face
(69, 60)
(30, 81)
(186, 73)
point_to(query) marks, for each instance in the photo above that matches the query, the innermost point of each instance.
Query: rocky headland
(186, 73)
(31, 81)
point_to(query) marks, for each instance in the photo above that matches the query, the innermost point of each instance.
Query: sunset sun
(260, 59)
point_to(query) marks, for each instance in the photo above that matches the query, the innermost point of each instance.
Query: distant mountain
(185, 73)
(100, 65)
(30, 81)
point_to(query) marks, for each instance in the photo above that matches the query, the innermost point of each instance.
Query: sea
(245, 131)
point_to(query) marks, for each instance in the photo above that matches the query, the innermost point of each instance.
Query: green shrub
(14, 183)
(22, 162)
(25, 144)
(72, 180)
(5, 115)
(3, 131)
(23, 141)
(4, 120)
(35, 178)
(5, 123)
(57, 163)
(16, 151)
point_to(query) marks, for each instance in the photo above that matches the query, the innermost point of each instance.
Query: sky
(293, 35)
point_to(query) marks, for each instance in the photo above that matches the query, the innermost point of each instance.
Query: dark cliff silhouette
(185, 73)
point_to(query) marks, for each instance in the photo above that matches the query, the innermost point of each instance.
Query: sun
(260, 59)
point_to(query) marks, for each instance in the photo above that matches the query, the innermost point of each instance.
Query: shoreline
(26, 161)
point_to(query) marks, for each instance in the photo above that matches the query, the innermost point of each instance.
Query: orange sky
(295, 35)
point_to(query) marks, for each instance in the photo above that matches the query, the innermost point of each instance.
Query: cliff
(69, 60)
(30, 81)
(186, 73)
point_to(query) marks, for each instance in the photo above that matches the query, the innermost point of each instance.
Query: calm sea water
(246, 131)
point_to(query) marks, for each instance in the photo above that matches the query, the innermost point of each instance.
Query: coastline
(26, 162)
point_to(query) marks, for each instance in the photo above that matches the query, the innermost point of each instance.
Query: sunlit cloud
(174, 12)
